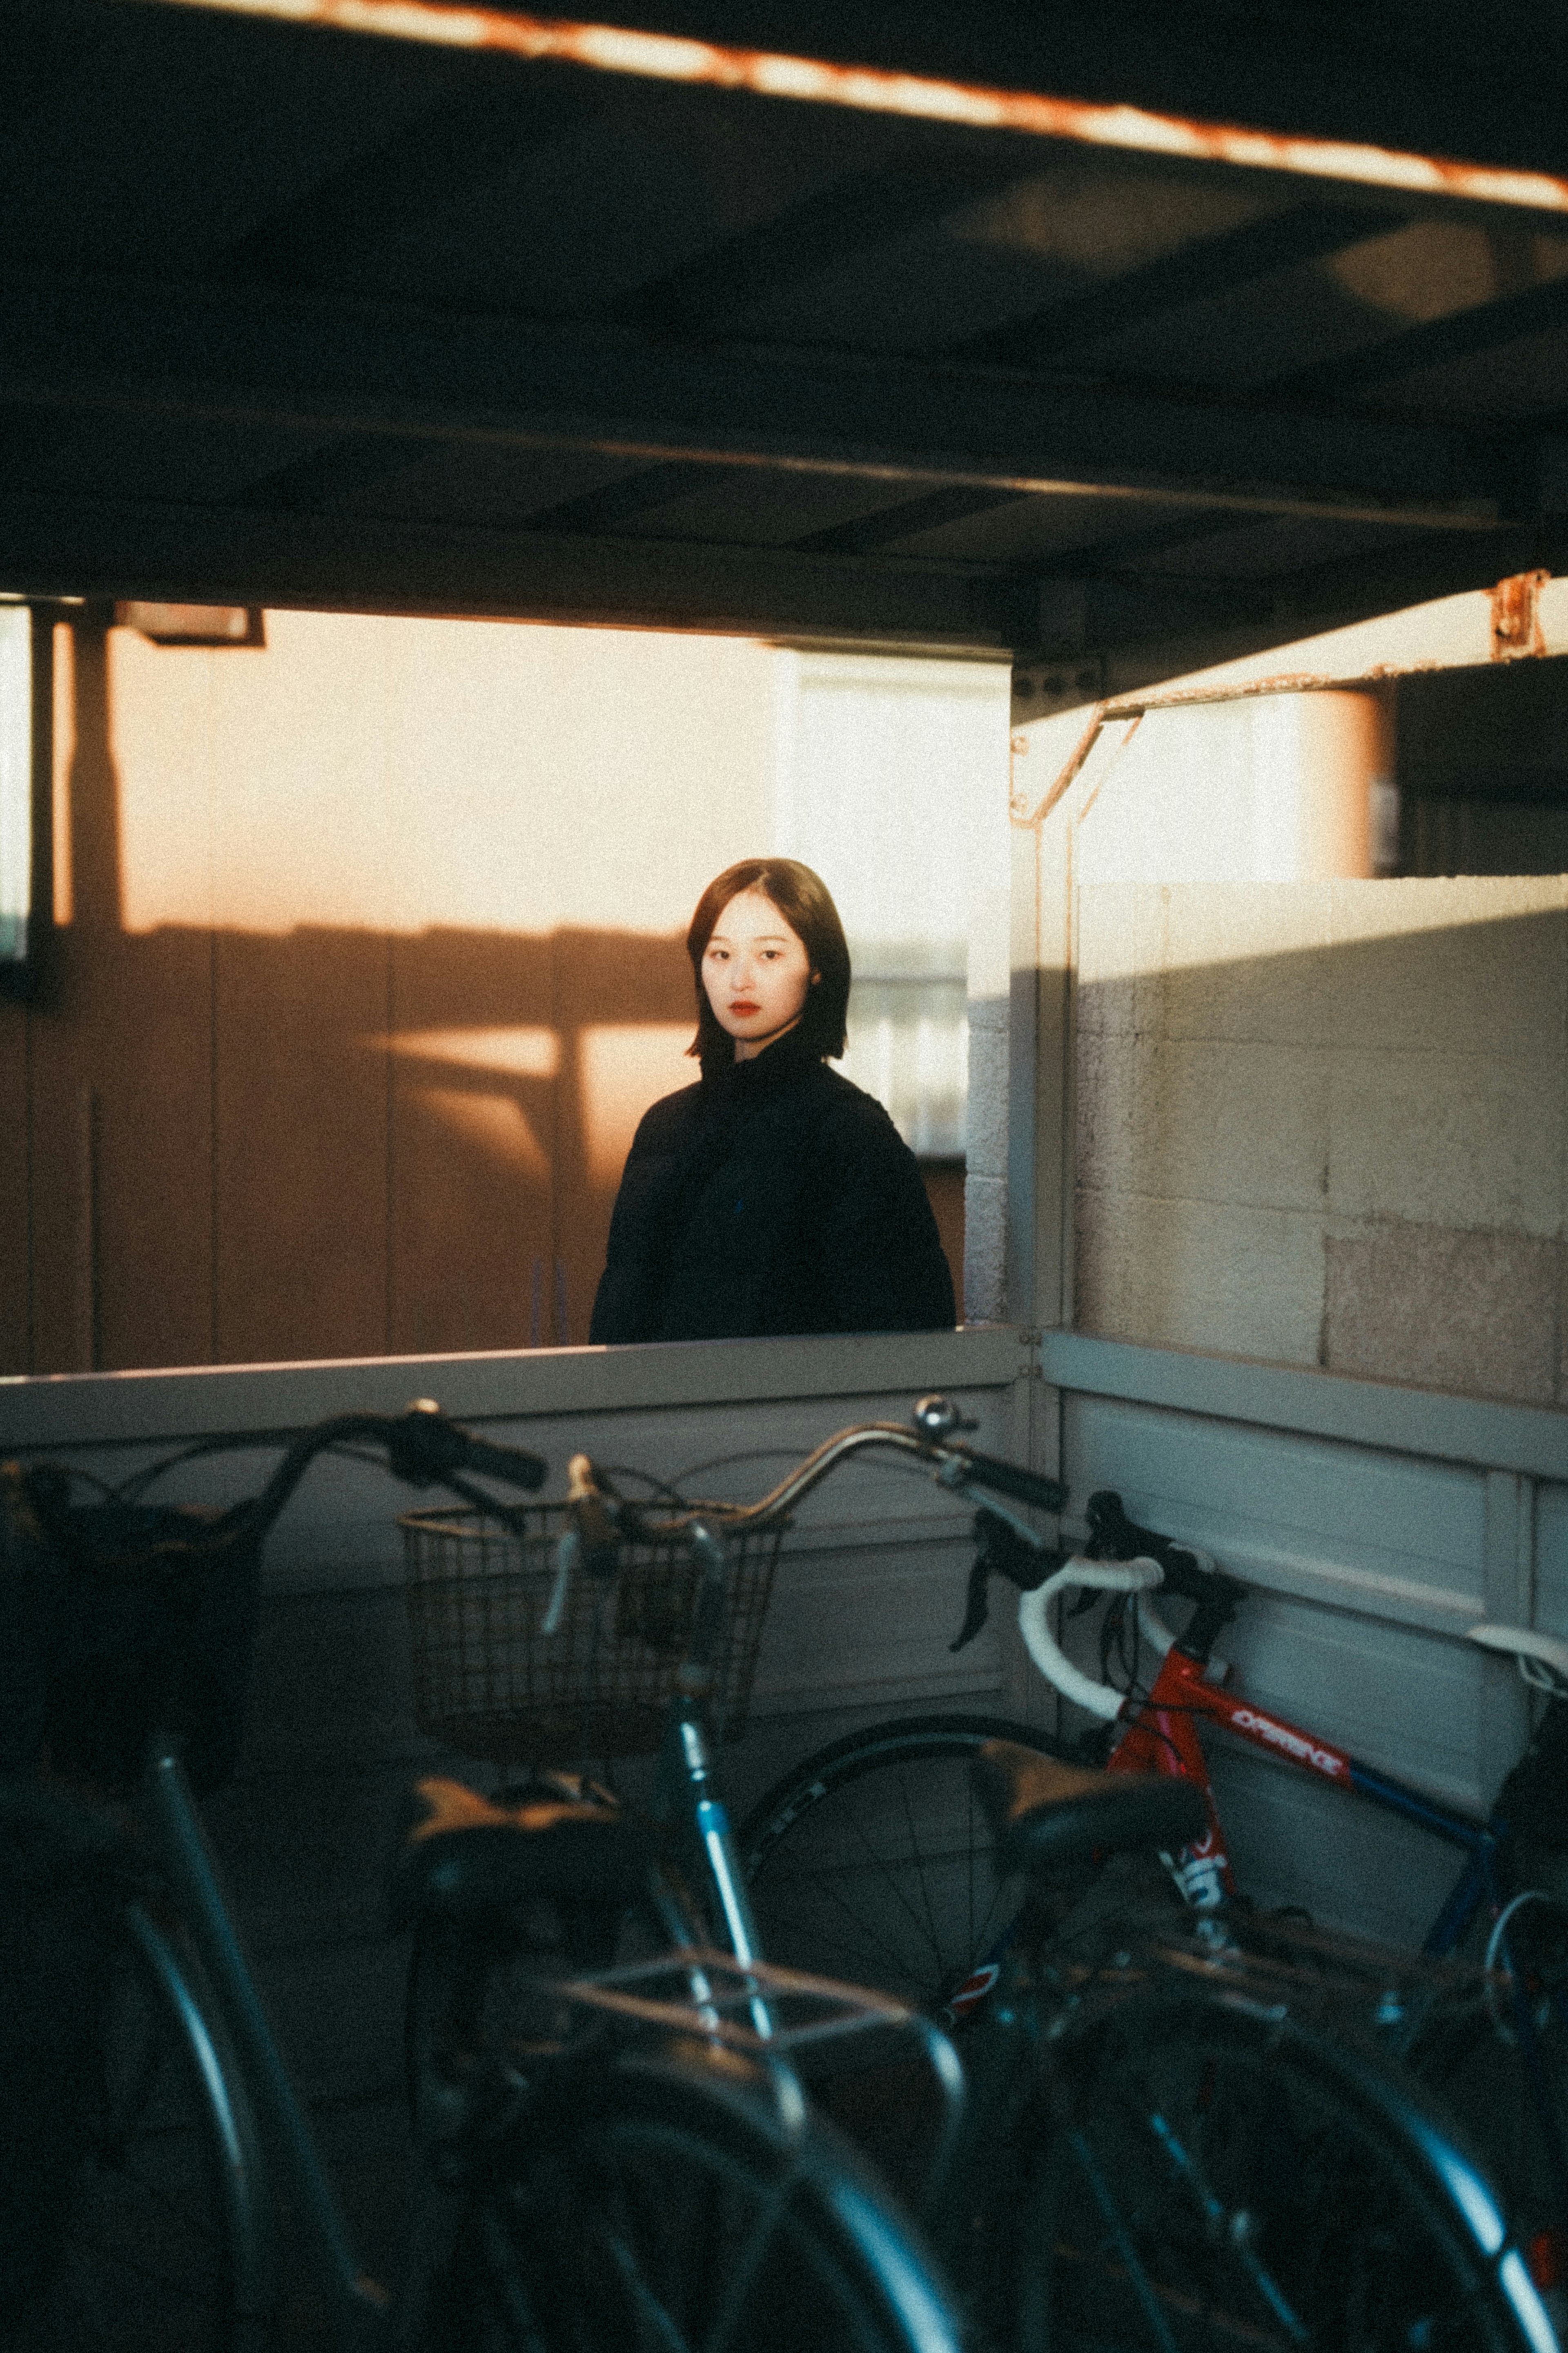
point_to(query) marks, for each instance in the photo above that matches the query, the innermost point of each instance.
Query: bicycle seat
(1044, 1813)
(470, 1860)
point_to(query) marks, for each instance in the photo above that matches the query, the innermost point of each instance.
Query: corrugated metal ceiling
(296, 317)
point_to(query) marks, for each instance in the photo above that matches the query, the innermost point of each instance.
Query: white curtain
(883, 765)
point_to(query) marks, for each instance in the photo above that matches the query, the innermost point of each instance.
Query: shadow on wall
(243, 1147)
(1347, 1147)
(334, 1143)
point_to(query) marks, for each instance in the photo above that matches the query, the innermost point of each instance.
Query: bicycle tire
(655, 2206)
(165, 2248)
(870, 1861)
(1474, 2062)
(1211, 2175)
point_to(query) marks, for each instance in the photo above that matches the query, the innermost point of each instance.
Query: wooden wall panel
(121, 1141)
(474, 1061)
(301, 1157)
(624, 1014)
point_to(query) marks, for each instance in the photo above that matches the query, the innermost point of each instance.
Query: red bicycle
(873, 1858)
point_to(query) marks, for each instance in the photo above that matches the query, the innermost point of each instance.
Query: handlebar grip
(422, 1445)
(1034, 1624)
(510, 1462)
(1009, 1479)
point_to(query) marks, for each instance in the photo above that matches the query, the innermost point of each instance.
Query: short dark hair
(804, 901)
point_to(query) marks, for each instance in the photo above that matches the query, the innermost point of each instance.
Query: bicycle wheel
(1210, 2177)
(1501, 2066)
(872, 1863)
(162, 2249)
(655, 2208)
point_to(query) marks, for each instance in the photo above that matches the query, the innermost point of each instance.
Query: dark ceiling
(297, 317)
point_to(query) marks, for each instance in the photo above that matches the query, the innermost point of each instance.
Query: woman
(773, 1195)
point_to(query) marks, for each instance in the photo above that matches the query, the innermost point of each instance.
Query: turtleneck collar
(763, 1074)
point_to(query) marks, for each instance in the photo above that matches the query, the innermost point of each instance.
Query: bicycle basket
(104, 1639)
(489, 1682)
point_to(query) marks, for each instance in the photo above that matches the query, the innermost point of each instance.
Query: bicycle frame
(361, 2308)
(1162, 1736)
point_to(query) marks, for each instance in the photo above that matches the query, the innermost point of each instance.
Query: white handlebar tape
(1104, 1577)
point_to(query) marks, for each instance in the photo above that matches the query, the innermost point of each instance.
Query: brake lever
(1004, 1551)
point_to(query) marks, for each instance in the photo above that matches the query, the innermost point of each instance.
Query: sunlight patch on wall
(624, 1068)
(530, 1052)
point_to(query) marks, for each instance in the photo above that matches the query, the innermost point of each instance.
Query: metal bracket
(1516, 617)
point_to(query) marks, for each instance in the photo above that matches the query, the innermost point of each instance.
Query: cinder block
(1113, 1079)
(985, 1249)
(1106, 1234)
(1475, 1313)
(1119, 949)
(1449, 1139)
(1197, 1274)
(1478, 964)
(1247, 960)
(1222, 1120)
(985, 1131)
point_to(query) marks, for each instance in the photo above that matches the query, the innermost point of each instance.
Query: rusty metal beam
(661, 57)
(322, 369)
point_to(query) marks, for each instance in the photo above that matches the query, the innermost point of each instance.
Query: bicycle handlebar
(423, 1449)
(1009, 1479)
(1034, 1624)
(956, 1466)
(423, 1446)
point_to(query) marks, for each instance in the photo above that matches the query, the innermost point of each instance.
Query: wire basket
(489, 1682)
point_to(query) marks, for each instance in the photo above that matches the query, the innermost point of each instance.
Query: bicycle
(1166, 2142)
(856, 1857)
(545, 2215)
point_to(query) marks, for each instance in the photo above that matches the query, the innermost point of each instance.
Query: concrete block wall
(1324, 1123)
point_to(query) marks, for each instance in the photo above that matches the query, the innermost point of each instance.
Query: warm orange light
(662, 56)
(64, 741)
(530, 1051)
(624, 1066)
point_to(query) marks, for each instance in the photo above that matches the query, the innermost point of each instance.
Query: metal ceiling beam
(643, 492)
(1438, 342)
(930, 512)
(416, 176)
(858, 213)
(164, 552)
(660, 55)
(248, 359)
(1198, 272)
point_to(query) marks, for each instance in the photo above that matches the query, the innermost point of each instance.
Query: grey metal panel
(507, 1386)
(1374, 1531)
(1551, 1559)
(1297, 1842)
(1370, 1413)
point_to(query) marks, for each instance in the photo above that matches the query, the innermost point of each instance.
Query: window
(884, 766)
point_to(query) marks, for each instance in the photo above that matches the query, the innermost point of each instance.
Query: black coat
(772, 1197)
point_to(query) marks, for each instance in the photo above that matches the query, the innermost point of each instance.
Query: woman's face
(756, 972)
